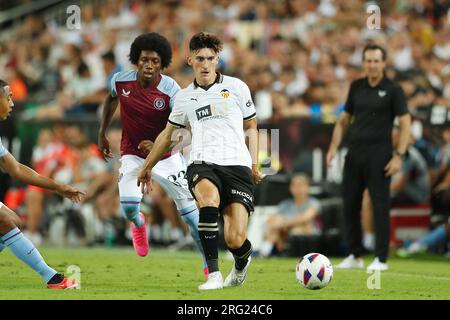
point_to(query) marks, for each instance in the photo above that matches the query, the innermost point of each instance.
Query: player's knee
(235, 239)
(18, 222)
(208, 200)
(207, 194)
(7, 223)
(130, 209)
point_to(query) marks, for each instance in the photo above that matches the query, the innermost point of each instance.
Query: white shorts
(169, 173)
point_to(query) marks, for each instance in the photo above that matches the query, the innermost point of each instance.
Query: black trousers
(364, 167)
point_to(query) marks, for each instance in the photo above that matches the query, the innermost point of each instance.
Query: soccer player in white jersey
(10, 235)
(146, 99)
(222, 170)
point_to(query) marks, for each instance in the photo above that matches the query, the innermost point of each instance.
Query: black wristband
(401, 155)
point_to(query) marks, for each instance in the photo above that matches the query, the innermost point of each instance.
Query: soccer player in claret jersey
(10, 235)
(146, 99)
(222, 171)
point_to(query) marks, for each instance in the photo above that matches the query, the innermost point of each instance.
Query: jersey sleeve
(178, 116)
(113, 85)
(399, 102)
(3, 151)
(246, 103)
(349, 103)
(173, 92)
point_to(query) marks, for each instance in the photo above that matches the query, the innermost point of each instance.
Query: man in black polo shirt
(372, 104)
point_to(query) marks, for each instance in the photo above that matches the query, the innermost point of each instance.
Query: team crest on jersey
(225, 93)
(159, 103)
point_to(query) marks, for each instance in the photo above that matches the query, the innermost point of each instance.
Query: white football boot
(377, 265)
(237, 277)
(214, 282)
(351, 263)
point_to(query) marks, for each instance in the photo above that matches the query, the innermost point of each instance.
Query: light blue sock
(130, 209)
(25, 251)
(190, 215)
(435, 237)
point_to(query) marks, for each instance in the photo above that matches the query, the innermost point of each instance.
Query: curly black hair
(3, 84)
(205, 40)
(154, 42)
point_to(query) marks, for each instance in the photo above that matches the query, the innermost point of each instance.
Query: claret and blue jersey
(143, 111)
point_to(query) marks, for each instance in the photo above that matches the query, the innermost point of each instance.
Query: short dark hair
(375, 47)
(205, 40)
(153, 42)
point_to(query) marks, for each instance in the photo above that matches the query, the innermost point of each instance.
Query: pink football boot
(140, 240)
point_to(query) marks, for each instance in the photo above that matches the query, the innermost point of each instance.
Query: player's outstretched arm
(29, 176)
(109, 108)
(162, 144)
(252, 141)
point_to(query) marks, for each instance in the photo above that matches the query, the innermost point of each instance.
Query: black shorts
(235, 183)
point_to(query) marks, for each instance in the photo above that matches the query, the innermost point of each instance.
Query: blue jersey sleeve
(169, 87)
(3, 151)
(113, 85)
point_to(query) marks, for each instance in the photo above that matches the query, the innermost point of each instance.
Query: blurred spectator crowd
(297, 56)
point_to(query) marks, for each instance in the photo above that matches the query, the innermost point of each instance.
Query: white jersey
(216, 117)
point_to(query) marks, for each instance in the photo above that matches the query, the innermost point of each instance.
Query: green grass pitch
(117, 273)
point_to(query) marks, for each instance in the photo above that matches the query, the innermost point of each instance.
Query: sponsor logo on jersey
(242, 194)
(381, 93)
(126, 94)
(159, 103)
(249, 103)
(225, 93)
(203, 112)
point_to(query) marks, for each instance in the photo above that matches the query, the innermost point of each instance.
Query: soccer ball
(314, 271)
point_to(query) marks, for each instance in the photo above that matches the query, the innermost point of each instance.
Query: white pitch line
(412, 275)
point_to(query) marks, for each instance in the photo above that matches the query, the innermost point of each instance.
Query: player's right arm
(163, 143)
(342, 124)
(109, 108)
(338, 132)
(19, 171)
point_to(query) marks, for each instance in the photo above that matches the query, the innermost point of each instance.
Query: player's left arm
(250, 126)
(252, 142)
(400, 109)
(395, 163)
(19, 171)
